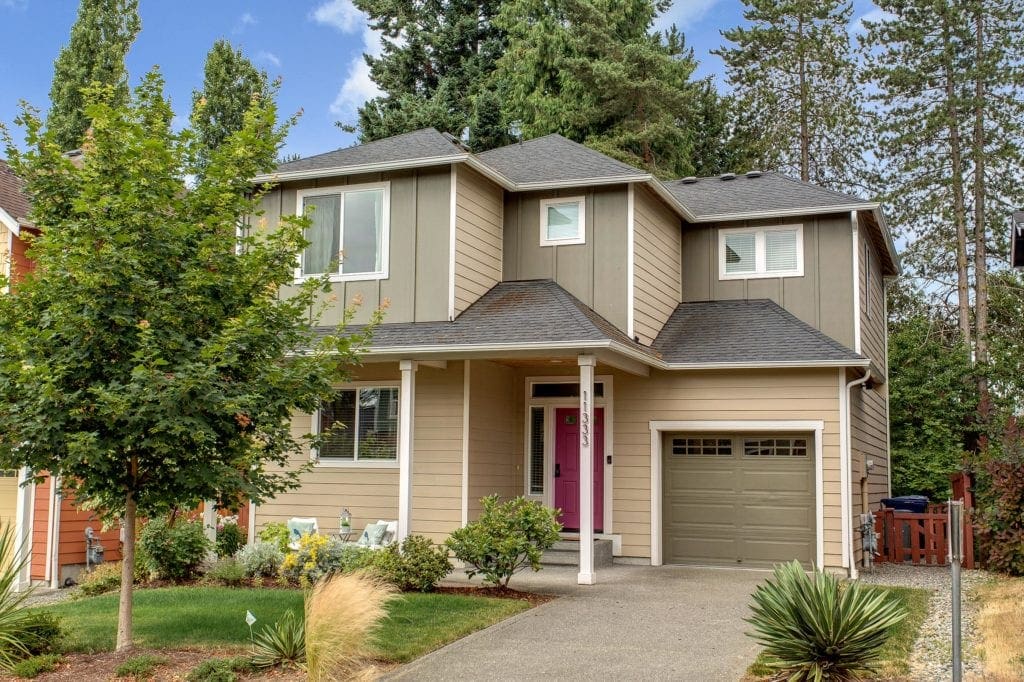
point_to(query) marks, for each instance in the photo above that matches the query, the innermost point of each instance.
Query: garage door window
(707, 447)
(775, 447)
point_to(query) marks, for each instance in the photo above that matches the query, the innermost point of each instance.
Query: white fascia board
(794, 364)
(8, 221)
(361, 168)
(890, 245)
(582, 182)
(785, 213)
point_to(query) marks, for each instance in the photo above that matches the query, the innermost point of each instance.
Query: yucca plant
(283, 643)
(815, 629)
(16, 632)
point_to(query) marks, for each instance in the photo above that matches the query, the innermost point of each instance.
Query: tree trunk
(805, 134)
(957, 184)
(124, 611)
(980, 231)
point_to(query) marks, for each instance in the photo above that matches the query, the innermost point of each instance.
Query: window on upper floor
(562, 221)
(349, 232)
(360, 426)
(747, 253)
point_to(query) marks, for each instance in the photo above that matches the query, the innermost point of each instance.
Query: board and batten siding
(657, 267)
(822, 297)
(479, 214)
(416, 289)
(495, 434)
(594, 272)
(371, 494)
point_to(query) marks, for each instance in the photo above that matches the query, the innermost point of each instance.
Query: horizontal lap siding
(656, 265)
(750, 395)
(495, 434)
(479, 209)
(372, 494)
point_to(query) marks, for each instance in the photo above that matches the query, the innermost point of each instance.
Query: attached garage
(738, 499)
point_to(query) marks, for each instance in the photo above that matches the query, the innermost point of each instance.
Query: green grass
(179, 617)
(35, 666)
(897, 650)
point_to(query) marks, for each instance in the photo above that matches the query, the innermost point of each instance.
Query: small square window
(562, 221)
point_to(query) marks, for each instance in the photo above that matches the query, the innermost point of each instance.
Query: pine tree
(793, 69)
(230, 82)
(593, 71)
(436, 58)
(100, 39)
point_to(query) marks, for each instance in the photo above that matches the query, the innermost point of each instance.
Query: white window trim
(385, 241)
(760, 257)
(580, 239)
(333, 462)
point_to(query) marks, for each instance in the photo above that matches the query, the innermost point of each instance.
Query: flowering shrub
(176, 551)
(230, 538)
(319, 556)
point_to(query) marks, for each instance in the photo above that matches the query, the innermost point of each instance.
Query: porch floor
(638, 622)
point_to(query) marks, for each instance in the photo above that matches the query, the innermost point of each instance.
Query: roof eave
(8, 221)
(791, 364)
(890, 245)
(787, 213)
(286, 176)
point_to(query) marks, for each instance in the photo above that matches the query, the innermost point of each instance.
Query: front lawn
(896, 653)
(1001, 625)
(179, 617)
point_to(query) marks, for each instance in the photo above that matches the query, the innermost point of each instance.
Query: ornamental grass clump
(814, 628)
(341, 612)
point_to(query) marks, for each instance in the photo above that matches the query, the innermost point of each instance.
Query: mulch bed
(533, 598)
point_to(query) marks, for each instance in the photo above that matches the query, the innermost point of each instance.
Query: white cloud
(357, 87)
(686, 13)
(245, 21)
(14, 4)
(875, 15)
(269, 57)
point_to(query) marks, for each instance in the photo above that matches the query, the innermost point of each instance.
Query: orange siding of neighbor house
(73, 522)
(40, 529)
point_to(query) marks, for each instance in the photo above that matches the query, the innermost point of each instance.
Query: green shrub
(228, 572)
(275, 534)
(418, 565)
(507, 537)
(319, 556)
(283, 643)
(220, 670)
(140, 667)
(814, 628)
(174, 552)
(260, 559)
(42, 633)
(104, 578)
(35, 666)
(1000, 508)
(230, 538)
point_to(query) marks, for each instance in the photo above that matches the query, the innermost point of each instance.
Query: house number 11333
(585, 420)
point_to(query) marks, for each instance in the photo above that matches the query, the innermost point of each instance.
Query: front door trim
(549, 404)
(745, 426)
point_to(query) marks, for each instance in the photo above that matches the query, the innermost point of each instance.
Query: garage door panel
(700, 550)
(763, 551)
(686, 513)
(775, 479)
(795, 517)
(701, 478)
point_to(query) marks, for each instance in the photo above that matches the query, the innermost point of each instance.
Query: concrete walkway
(638, 623)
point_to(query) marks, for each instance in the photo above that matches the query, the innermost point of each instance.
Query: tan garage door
(8, 500)
(738, 499)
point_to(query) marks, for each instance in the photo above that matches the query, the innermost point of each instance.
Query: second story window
(562, 221)
(349, 232)
(776, 251)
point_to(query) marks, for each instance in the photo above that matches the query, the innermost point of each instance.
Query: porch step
(567, 553)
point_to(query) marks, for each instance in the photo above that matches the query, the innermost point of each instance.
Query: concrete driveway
(638, 623)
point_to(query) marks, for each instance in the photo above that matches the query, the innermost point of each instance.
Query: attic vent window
(746, 253)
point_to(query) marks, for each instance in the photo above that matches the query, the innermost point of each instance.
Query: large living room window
(562, 221)
(349, 232)
(747, 253)
(359, 425)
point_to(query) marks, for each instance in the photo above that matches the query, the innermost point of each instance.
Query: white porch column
(586, 575)
(406, 415)
(210, 527)
(23, 529)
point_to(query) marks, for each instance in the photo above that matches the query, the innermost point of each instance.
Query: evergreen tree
(436, 58)
(100, 39)
(793, 69)
(230, 82)
(593, 71)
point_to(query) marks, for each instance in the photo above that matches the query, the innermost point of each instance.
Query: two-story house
(693, 370)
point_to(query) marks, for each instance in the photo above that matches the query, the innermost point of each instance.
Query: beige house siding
(495, 434)
(822, 297)
(479, 213)
(416, 289)
(594, 272)
(657, 268)
(5, 254)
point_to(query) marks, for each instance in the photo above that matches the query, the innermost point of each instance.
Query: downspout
(845, 471)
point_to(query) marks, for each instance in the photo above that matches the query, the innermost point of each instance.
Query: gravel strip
(933, 653)
(41, 596)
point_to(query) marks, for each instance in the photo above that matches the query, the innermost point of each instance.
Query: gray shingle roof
(553, 158)
(419, 144)
(769, 192)
(12, 195)
(520, 312)
(745, 332)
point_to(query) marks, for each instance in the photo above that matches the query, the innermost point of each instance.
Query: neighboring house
(49, 525)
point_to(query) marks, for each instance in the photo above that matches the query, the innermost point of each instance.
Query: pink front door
(567, 467)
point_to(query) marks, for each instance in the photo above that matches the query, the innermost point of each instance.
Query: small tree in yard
(506, 538)
(150, 363)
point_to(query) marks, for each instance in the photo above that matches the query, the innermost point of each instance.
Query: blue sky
(314, 45)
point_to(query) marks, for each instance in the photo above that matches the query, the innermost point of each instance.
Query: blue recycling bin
(917, 504)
